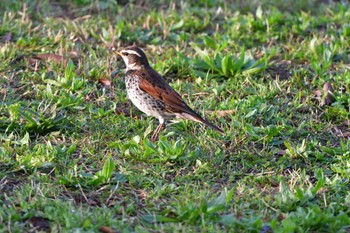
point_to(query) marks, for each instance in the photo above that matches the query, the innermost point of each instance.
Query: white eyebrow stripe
(132, 52)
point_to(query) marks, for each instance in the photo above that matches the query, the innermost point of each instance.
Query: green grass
(75, 155)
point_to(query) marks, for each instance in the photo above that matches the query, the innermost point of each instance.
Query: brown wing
(154, 85)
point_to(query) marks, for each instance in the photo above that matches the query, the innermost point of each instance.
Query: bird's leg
(156, 132)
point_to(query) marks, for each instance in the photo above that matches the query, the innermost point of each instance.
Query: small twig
(264, 173)
(82, 192)
(114, 190)
(269, 206)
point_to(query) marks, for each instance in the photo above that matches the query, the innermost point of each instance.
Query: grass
(76, 156)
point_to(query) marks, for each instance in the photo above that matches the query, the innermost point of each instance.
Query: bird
(151, 94)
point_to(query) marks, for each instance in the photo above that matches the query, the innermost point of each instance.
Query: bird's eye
(125, 53)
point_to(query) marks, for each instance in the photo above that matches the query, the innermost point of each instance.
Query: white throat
(132, 66)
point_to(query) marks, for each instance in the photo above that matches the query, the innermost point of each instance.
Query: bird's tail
(195, 117)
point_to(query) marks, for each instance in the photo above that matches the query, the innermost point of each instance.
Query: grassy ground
(76, 156)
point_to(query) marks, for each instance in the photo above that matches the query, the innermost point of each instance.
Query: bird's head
(133, 57)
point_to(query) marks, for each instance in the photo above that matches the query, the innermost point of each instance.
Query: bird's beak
(117, 52)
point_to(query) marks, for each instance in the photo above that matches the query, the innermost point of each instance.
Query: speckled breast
(141, 99)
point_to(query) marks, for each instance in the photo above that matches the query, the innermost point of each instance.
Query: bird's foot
(155, 135)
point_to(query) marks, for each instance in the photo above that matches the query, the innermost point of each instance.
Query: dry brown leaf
(105, 82)
(318, 93)
(105, 229)
(328, 90)
(51, 57)
(325, 96)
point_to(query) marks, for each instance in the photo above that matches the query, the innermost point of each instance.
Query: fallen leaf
(328, 90)
(105, 229)
(325, 96)
(40, 224)
(51, 57)
(105, 82)
(318, 93)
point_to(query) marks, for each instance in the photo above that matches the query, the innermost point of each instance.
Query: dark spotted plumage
(150, 93)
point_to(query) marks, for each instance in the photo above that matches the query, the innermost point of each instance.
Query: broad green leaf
(177, 25)
(217, 203)
(259, 12)
(158, 218)
(25, 140)
(225, 65)
(210, 42)
(228, 219)
(251, 113)
(229, 195)
(106, 171)
(320, 183)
